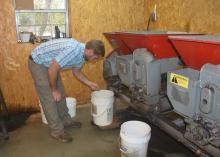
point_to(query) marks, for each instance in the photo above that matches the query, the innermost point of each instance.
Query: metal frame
(65, 11)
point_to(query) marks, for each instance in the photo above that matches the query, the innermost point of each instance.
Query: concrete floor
(33, 140)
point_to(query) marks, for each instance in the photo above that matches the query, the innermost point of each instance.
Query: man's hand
(94, 86)
(56, 95)
(79, 75)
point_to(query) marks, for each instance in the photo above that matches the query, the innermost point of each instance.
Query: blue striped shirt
(69, 53)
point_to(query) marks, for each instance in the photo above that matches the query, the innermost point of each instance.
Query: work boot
(63, 137)
(73, 124)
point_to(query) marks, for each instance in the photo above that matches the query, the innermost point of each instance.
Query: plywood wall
(15, 81)
(185, 15)
(89, 18)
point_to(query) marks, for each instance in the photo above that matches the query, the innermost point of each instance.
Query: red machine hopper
(156, 42)
(196, 51)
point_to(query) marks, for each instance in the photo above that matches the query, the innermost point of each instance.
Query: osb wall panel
(185, 15)
(89, 18)
(15, 81)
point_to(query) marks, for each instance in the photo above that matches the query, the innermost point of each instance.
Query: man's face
(90, 56)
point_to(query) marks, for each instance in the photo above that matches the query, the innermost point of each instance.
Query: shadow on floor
(16, 120)
(33, 138)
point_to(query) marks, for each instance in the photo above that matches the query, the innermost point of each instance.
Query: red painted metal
(156, 42)
(196, 51)
(117, 44)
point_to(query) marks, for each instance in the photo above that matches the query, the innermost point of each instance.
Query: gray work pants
(56, 113)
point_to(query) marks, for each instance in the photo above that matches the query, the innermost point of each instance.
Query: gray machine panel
(184, 100)
(146, 72)
(210, 96)
(109, 66)
(124, 66)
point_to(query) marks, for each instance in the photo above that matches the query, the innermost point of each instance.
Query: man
(45, 64)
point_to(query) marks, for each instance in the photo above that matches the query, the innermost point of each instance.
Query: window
(41, 17)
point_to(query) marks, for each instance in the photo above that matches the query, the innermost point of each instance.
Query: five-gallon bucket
(135, 136)
(25, 36)
(71, 105)
(102, 107)
(44, 120)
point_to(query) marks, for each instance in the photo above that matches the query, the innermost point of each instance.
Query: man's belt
(30, 57)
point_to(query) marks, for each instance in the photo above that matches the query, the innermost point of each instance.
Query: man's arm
(52, 73)
(80, 76)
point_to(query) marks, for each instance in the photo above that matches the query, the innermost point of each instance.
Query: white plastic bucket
(102, 107)
(25, 36)
(135, 136)
(44, 120)
(71, 105)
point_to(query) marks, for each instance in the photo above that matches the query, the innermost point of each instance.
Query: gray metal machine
(195, 92)
(197, 98)
(141, 69)
(145, 69)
